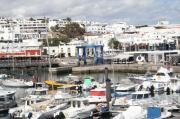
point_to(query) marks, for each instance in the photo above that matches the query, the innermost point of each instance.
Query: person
(168, 91)
(152, 91)
(30, 115)
(141, 87)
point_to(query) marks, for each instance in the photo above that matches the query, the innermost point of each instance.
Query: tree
(31, 19)
(114, 44)
(68, 19)
(73, 30)
(56, 41)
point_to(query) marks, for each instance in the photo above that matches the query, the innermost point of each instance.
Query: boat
(38, 104)
(139, 112)
(79, 109)
(90, 83)
(3, 76)
(132, 112)
(121, 90)
(17, 83)
(97, 95)
(7, 100)
(139, 98)
(136, 98)
(140, 78)
(68, 81)
(163, 80)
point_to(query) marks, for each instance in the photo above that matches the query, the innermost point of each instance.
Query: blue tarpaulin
(153, 112)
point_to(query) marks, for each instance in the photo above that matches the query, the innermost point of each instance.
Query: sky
(137, 12)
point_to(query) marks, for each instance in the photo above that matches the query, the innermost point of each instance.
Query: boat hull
(17, 84)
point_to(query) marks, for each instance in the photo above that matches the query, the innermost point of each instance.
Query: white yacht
(18, 83)
(163, 79)
(7, 100)
(79, 109)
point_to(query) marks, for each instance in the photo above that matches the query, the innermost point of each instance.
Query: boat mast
(49, 57)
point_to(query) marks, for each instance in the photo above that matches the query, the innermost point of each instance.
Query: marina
(124, 65)
(116, 78)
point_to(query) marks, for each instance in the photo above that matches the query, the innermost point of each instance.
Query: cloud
(133, 11)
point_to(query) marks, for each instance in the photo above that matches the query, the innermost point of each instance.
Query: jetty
(123, 68)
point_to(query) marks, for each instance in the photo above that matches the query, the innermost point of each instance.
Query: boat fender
(30, 114)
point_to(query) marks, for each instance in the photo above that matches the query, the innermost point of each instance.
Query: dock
(123, 68)
(67, 69)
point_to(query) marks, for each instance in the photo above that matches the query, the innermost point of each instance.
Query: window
(69, 50)
(79, 104)
(2, 99)
(27, 102)
(160, 74)
(139, 96)
(10, 98)
(146, 95)
(74, 104)
(133, 96)
(61, 50)
(85, 102)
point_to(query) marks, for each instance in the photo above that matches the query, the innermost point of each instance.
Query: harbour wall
(122, 68)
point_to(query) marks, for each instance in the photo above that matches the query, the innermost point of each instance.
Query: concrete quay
(123, 68)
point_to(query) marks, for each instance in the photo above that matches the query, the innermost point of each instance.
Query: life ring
(140, 58)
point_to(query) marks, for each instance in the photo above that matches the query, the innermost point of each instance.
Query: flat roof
(153, 52)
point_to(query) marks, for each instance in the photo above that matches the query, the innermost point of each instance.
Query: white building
(99, 40)
(96, 29)
(64, 50)
(117, 28)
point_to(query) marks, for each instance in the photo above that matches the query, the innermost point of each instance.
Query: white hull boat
(80, 109)
(17, 83)
(7, 100)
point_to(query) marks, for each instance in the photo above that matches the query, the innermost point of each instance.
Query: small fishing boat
(7, 100)
(97, 95)
(68, 81)
(79, 109)
(121, 90)
(38, 104)
(139, 112)
(132, 112)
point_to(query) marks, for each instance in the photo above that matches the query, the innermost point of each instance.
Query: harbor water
(42, 75)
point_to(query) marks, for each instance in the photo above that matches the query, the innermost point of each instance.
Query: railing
(27, 63)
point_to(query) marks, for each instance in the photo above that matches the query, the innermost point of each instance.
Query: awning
(122, 56)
